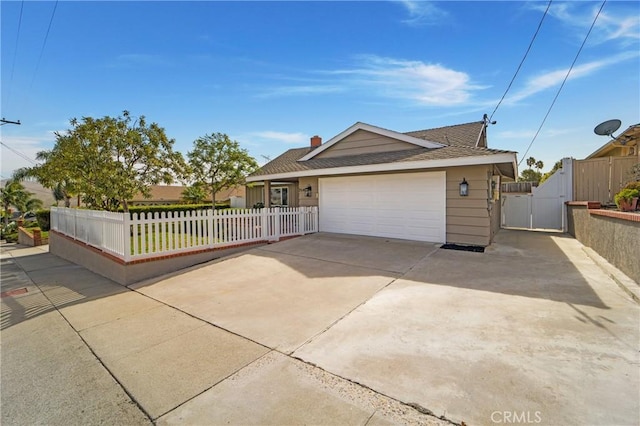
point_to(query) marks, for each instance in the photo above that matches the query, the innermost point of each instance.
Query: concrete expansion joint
(213, 385)
(416, 407)
(336, 262)
(95, 355)
(204, 322)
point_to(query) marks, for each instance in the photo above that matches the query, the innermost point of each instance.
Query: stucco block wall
(125, 274)
(617, 240)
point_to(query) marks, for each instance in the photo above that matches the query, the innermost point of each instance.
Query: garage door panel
(409, 206)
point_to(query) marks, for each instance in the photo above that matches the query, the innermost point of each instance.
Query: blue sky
(272, 74)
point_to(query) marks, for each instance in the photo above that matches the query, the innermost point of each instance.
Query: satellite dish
(607, 128)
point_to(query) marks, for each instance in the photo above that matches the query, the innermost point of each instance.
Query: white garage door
(409, 206)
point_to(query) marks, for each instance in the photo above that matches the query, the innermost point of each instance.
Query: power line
(18, 153)
(522, 61)
(44, 43)
(15, 51)
(563, 82)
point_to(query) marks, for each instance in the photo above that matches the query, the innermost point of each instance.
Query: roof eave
(399, 166)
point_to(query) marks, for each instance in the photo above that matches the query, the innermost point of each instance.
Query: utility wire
(18, 153)
(522, 61)
(44, 43)
(15, 51)
(563, 82)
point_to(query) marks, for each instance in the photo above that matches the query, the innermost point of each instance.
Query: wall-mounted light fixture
(464, 188)
(307, 191)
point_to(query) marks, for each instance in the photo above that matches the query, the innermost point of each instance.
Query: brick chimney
(316, 141)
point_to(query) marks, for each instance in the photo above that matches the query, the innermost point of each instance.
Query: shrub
(625, 196)
(173, 208)
(44, 219)
(632, 185)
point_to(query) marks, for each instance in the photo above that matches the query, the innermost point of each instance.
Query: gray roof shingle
(460, 134)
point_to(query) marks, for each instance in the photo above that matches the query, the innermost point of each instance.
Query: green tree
(531, 161)
(530, 175)
(108, 160)
(218, 162)
(556, 166)
(14, 194)
(195, 194)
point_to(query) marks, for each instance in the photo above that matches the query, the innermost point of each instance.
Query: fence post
(316, 219)
(301, 225)
(212, 228)
(277, 217)
(264, 228)
(126, 231)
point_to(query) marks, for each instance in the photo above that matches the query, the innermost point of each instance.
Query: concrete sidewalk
(79, 349)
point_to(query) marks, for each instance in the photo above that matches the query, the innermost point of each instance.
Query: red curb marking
(13, 292)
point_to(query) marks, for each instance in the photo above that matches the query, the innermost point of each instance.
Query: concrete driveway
(335, 329)
(532, 329)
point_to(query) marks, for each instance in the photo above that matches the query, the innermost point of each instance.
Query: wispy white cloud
(413, 82)
(614, 23)
(417, 81)
(289, 138)
(27, 146)
(554, 78)
(422, 12)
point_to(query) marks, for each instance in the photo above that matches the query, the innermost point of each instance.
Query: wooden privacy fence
(146, 235)
(599, 179)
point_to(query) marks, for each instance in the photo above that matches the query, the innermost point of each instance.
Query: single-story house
(172, 194)
(601, 175)
(372, 181)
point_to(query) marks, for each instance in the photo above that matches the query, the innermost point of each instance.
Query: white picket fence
(147, 235)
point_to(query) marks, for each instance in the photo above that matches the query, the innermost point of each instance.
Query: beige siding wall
(254, 195)
(468, 220)
(363, 142)
(303, 200)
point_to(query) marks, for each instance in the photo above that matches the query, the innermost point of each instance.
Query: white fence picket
(146, 235)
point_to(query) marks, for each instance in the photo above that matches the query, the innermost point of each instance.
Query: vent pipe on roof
(316, 141)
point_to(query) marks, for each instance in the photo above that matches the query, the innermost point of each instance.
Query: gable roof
(423, 142)
(629, 137)
(453, 146)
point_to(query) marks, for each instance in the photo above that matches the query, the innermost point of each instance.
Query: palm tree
(13, 194)
(531, 161)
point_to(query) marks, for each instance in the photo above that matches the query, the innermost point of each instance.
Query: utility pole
(3, 122)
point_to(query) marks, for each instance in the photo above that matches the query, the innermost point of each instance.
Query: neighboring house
(624, 145)
(602, 174)
(172, 194)
(372, 181)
